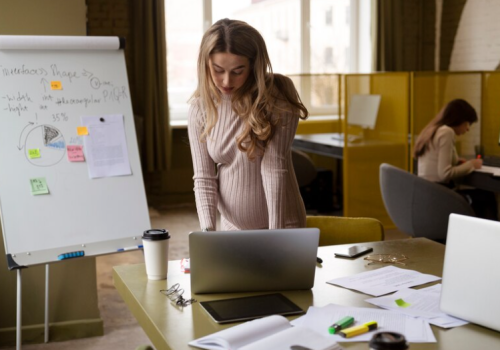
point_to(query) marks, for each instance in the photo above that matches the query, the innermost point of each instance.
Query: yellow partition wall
(490, 118)
(432, 91)
(367, 148)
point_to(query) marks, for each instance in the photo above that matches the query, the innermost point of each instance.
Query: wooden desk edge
(139, 313)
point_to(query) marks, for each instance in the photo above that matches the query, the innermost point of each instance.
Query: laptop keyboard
(491, 161)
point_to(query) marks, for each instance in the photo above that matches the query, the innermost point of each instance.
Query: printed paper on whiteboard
(106, 146)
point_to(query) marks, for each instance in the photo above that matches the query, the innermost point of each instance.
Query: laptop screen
(253, 260)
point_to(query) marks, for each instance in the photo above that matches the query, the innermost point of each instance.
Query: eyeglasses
(386, 259)
(174, 293)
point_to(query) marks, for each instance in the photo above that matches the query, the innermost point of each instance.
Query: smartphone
(353, 251)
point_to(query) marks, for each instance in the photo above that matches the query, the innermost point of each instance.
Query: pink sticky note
(75, 153)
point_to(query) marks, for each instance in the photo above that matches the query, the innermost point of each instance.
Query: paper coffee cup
(155, 244)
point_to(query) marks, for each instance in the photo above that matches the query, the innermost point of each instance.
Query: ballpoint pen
(353, 331)
(341, 324)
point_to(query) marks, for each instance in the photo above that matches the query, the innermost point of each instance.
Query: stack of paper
(416, 330)
(423, 303)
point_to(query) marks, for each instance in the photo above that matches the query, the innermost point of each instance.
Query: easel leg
(18, 321)
(46, 333)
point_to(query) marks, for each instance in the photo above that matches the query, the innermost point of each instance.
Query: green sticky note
(34, 153)
(402, 303)
(39, 186)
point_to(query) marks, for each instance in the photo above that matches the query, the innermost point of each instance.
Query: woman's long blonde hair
(453, 114)
(262, 95)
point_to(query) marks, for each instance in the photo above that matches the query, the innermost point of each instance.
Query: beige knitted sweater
(258, 194)
(440, 163)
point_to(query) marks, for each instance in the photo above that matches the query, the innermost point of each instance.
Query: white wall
(477, 42)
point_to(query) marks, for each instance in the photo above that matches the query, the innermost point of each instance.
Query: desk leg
(338, 186)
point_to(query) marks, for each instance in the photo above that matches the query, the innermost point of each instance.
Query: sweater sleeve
(446, 169)
(205, 177)
(274, 169)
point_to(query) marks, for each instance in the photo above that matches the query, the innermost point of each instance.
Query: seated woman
(438, 160)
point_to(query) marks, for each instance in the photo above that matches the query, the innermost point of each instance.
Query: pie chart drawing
(50, 141)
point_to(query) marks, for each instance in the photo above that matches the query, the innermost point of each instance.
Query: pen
(354, 331)
(341, 324)
(129, 248)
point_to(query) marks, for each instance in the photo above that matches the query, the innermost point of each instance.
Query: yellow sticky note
(402, 303)
(55, 85)
(82, 130)
(34, 153)
(39, 186)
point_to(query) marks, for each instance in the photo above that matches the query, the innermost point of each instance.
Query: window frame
(358, 9)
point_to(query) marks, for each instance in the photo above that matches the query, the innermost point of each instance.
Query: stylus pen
(354, 331)
(341, 324)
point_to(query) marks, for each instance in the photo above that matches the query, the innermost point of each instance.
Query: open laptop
(253, 260)
(471, 283)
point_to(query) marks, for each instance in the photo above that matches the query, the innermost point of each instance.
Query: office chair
(304, 168)
(419, 207)
(342, 230)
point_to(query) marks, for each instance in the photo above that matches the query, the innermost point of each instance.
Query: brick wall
(476, 45)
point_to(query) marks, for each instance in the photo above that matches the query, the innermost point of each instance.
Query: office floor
(121, 330)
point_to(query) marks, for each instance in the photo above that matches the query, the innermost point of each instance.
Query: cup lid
(156, 234)
(388, 341)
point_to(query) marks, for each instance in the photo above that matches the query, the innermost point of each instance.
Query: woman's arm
(447, 170)
(274, 169)
(205, 177)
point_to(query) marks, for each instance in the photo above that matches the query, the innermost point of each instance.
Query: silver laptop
(471, 281)
(254, 260)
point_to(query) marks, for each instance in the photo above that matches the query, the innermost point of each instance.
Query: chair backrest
(342, 230)
(419, 207)
(304, 168)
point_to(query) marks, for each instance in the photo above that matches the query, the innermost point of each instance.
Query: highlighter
(341, 324)
(354, 331)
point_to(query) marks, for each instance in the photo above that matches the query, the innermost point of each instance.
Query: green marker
(342, 324)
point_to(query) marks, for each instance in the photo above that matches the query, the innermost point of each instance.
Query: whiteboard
(96, 216)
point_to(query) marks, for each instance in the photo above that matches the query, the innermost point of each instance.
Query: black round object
(388, 341)
(156, 234)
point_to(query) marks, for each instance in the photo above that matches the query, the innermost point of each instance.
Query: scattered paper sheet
(489, 169)
(106, 146)
(422, 303)
(384, 280)
(75, 153)
(416, 330)
(39, 186)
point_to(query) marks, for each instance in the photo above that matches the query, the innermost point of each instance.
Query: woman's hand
(477, 163)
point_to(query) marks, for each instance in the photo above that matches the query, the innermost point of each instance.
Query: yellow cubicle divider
(490, 116)
(366, 148)
(431, 91)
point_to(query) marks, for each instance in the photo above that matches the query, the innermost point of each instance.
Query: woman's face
(229, 72)
(462, 128)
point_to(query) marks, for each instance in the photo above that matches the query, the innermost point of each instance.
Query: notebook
(471, 285)
(253, 260)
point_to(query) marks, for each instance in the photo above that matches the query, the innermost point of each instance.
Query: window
(302, 36)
